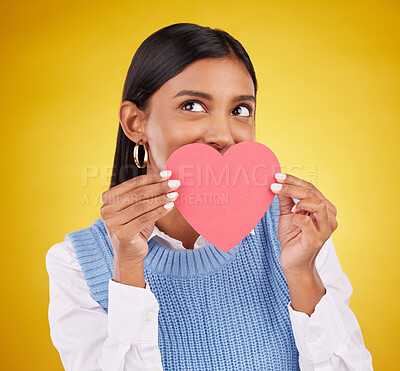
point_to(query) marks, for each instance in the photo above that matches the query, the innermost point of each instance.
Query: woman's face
(212, 102)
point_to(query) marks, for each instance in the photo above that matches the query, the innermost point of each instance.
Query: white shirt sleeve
(86, 337)
(331, 338)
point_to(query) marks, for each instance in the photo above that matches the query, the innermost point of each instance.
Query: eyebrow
(237, 98)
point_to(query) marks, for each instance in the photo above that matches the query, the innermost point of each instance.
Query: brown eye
(247, 110)
(190, 103)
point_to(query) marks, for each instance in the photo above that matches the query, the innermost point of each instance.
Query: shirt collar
(177, 244)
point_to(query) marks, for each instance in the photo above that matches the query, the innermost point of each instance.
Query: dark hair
(163, 55)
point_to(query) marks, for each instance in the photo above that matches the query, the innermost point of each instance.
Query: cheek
(243, 133)
(159, 141)
(158, 153)
(165, 137)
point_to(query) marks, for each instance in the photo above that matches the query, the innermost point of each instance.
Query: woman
(141, 290)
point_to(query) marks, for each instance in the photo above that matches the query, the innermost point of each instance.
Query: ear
(132, 121)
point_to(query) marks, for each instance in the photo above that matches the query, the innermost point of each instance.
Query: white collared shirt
(174, 244)
(87, 338)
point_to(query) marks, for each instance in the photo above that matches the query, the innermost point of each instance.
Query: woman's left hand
(302, 233)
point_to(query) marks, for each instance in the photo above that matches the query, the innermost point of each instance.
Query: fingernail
(280, 176)
(174, 183)
(293, 209)
(169, 205)
(172, 195)
(275, 187)
(165, 173)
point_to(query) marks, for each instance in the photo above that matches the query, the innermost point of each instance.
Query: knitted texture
(218, 310)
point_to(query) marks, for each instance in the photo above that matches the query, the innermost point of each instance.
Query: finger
(296, 191)
(144, 192)
(131, 184)
(333, 224)
(291, 179)
(319, 210)
(284, 178)
(285, 204)
(308, 228)
(142, 207)
(143, 220)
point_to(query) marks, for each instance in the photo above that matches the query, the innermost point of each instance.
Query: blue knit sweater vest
(218, 310)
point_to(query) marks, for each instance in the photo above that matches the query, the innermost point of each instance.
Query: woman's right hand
(129, 211)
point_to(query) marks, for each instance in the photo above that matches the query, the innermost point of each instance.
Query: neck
(176, 226)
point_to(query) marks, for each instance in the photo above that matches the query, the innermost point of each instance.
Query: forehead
(216, 76)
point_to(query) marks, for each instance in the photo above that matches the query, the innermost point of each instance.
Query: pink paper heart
(224, 197)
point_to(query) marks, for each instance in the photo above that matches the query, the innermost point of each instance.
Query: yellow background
(328, 106)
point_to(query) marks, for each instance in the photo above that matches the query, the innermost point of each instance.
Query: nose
(219, 135)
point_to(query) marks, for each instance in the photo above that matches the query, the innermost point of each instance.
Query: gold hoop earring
(136, 156)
